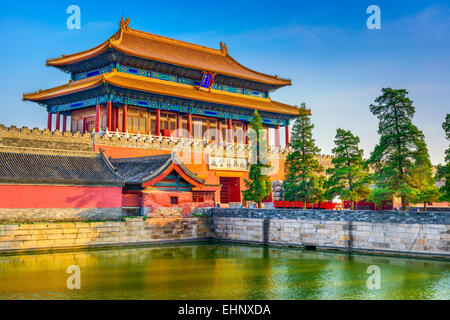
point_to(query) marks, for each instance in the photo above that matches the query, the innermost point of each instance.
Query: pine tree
(258, 185)
(401, 157)
(443, 171)
(349, 179)
(429, 193)
(303, 180)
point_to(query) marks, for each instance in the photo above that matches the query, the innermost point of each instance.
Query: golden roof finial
(223, 48)
(125, 23)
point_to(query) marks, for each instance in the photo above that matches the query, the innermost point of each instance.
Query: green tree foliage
(258, 185)
(303, 179)
(349, 178)
(429, 193)
(443, 171)
(401, 157)
(380, 195)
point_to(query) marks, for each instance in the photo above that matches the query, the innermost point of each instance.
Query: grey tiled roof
(142, 169)
(36, 168)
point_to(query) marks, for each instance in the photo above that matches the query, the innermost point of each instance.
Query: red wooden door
(89, 124)
(231, 190)
(224, 197)
(235, 190)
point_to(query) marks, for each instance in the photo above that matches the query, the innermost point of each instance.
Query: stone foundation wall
(36, 236)
(417, 234)
(59, 214)
(407, 233)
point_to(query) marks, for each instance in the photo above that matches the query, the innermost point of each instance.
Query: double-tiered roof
(146, 70)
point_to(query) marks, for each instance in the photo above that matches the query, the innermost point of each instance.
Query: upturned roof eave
(119, 79)
(116, 42)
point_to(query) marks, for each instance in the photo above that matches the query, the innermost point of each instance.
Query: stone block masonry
(368, 231)
(132, 231)
(415, 234)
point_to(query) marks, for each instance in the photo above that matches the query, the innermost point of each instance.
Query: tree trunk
(259, 205)
(352, 205)
(404, 204)
(304, 205)
(425, 206)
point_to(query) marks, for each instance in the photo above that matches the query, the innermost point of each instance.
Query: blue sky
(336, 64)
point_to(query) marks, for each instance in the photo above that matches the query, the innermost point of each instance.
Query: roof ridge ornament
(223, 48)
(125, 24)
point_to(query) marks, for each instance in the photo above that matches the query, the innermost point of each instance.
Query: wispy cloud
(429, 25)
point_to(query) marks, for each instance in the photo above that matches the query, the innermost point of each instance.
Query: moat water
(220, 271)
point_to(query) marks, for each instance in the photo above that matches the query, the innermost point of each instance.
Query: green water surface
(220, 271)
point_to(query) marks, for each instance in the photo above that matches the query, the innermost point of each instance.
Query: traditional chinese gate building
(136, 83)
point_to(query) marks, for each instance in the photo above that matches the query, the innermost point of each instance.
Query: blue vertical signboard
(206, 81)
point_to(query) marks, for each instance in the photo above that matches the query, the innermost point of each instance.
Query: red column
(246, 133)
(124, 118)
(64, 127)
(189, 125)
(108, 115)
(149, 121)
(287, 135)
(179, 125)
(97, 117)
(49, 121)
(58, 120)
(113, 118)
(277, 137)
(158, 122)
(229, 130)
(116, 120)
(219, 132)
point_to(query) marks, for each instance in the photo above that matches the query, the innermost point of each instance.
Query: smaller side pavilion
(57, 185)
(162, 181)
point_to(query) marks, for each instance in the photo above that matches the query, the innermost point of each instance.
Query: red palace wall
(38, 196)
(157, 199)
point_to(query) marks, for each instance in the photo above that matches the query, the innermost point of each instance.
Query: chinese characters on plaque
(232, 164)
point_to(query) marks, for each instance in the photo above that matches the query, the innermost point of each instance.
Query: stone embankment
(416, 234)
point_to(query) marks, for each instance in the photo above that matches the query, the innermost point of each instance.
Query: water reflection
(210, 271)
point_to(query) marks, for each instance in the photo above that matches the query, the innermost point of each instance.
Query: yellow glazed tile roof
(166, 88)
(153, 47)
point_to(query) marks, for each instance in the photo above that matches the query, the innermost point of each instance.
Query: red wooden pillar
(108, 115)
(189, 125)
(58, 120)
(219, 132)
(97, 117)
(113, 118)
(116, 120)
(277, 137)
(49, 121)
(228, 130)
(246, 133)
(158, 122)
(287, 136)
(124, 118)
(149, 121)
(64, 126)
(179, 125)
